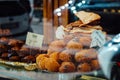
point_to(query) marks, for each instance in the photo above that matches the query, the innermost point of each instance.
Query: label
(60, 32)
(34, 40)
(98, 38)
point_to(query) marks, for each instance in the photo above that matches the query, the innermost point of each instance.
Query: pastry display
(73, 53)
(16, 51)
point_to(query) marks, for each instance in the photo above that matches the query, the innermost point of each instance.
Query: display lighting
(59, 14)
(70, 5)
(62, 7)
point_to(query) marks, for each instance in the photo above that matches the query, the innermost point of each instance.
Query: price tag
(98, 38)
(60, 32)
(34, 40)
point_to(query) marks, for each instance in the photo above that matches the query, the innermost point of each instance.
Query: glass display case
(73, 32)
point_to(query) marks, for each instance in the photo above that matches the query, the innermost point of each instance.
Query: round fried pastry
(67, 67)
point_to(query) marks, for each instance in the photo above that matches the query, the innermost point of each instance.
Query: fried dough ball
(74, 45)
(84, 67)
(65, 56)
(52, 65)
(95, 64)
(67, 67)
(57, 46)
(54, 55)
(85, 41)
(40, 61)
(85, 55)
(40, 57)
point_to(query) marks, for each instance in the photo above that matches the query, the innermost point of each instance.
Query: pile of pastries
(16, 51)
(73, 53)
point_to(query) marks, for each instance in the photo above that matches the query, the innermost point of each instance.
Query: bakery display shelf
(19, 73)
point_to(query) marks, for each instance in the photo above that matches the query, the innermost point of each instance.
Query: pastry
(74, 45)
(14, 58)
(52, 65)
(95, 64)
(86, 55)
(40, 61)
(65, 56)
(67, 67)
(87, 17)
(84, 67)
(29, 59)
(57, 46)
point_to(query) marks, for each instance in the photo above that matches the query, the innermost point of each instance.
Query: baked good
(84, 67)
(87, 17)
(86, 55)
(57, 46)
(85, 41)
(74, 45)
(67, 67)
(4, 56)
(67, 38)
(4, 40)
(14, 42)
(40, 60)
(54, 55)
(14, 58)
(65, 56)
(29, 59)
(95, 64)
(52, 65)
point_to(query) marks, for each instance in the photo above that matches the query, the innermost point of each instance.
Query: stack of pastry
(87, 23)
(73, 52)
(67, 57)
(16, 51)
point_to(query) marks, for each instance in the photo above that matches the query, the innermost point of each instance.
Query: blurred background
(44, 16)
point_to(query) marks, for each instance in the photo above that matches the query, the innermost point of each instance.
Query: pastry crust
(87, 17)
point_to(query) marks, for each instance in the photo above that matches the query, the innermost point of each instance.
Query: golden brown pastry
(87, 17)
(54, 55)
(74, 45)
(67, 67)
(57, 46)
(85, 41)
(71, 25)
(86, 55)
(65, 56)
(84, 67)
(52, 65)
(95, 64)
(41, 63)
(40, 57)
